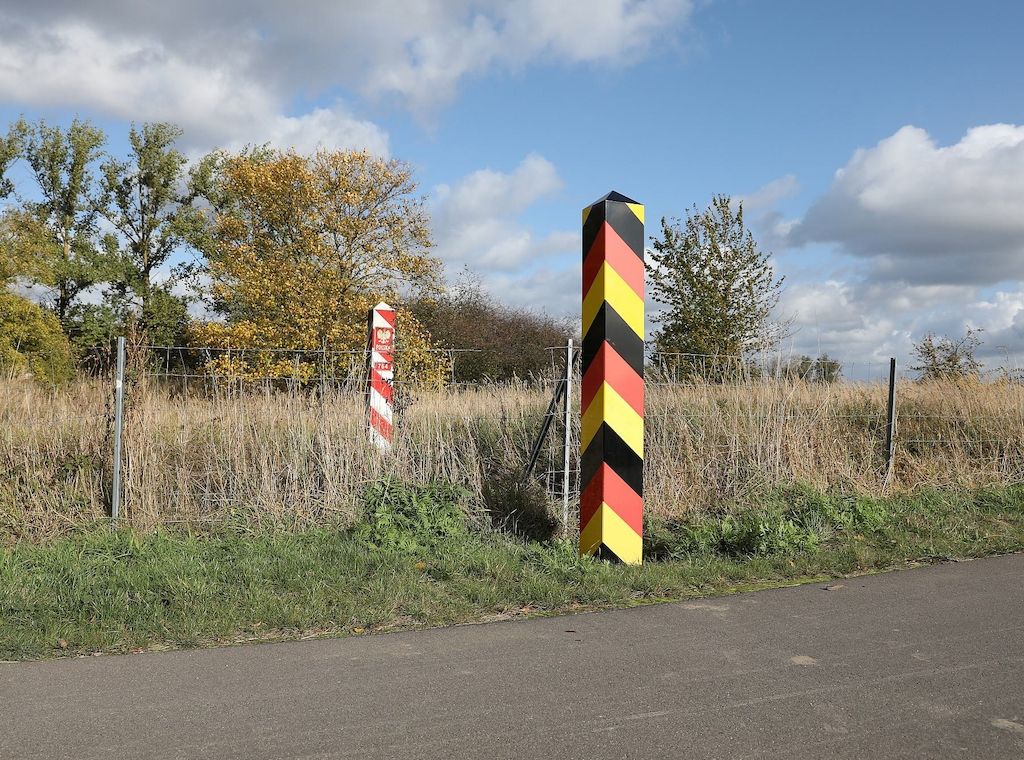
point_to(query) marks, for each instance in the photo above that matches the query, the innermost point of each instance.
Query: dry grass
(709, 443)
(54, 461)
(290, 455)
(275, 456)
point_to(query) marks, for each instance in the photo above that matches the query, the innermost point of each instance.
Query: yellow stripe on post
(609, 408)
(609, 287)
(607, 528)
(637, 210)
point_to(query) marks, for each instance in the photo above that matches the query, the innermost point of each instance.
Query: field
(300, 458)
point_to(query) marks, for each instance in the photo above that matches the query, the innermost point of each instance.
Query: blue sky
(515, 115)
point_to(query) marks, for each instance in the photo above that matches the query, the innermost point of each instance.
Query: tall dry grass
(294, 455)
(282, 455)
(708, 443)
(54, 461)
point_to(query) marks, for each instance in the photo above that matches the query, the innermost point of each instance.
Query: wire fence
(204, 440)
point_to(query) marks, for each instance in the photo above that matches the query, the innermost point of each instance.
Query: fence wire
(204, 441)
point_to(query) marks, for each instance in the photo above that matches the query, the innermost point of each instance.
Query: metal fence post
(566, 438)
(115, 498)
(890, 422)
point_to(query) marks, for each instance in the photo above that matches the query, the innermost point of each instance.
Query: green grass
(416, 561)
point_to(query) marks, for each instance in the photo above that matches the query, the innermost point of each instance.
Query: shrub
(506, 342)
(786, 520)
(948, 358)
(31, 341)
(407, 517)
(516, 506)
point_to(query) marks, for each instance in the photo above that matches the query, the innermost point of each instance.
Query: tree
(948, 358)
(10, 148)
(720, 289)
(57, 230)
(797, 368)
(143, 202)
(827, 369)
(823, 370)
(31, 341)
(22, 236)
(503, 342)
(298, 248)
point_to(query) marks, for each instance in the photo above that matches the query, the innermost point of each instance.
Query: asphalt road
(924, 663)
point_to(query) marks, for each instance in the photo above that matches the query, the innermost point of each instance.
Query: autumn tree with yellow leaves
(297, 249)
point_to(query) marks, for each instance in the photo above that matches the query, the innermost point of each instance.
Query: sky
(878, 146)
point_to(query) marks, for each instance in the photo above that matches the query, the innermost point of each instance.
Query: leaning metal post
(545, 425)
(612, 390)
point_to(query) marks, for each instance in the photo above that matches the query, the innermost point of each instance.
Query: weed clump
(786, 520)
(518, 507)
(406, 517)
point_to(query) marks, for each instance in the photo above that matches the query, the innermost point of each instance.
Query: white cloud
(933, 240)
(232, 72)
(471, 37)
(1001, 319)
(832, 317)
(866, 322)
(761, 214)
(768, 196)
(923, 213)
(548, 289)
(478, 223)
(477, 220)
(142, 79)
(331, 127)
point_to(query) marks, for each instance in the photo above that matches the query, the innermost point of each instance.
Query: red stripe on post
(608, 487)
(611, 368)
(619, 256)
(384, 388)
(380, 424)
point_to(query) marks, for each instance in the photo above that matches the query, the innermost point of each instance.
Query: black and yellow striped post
(612, 400)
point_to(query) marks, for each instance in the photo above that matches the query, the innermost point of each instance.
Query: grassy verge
(415, 562)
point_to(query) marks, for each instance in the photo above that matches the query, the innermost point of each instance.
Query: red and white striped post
(381, 375)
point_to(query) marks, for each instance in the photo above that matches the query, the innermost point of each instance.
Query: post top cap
(615, 197)
(382, 307)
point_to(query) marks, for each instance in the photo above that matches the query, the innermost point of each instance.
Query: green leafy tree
(10, 148)
(165, 318)
(798, 368)
(21, 237)
(143, 202)
(719, 287)
(56, 231)
(827, 370)
(948, 358)
(96, 325)
(824, 369)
